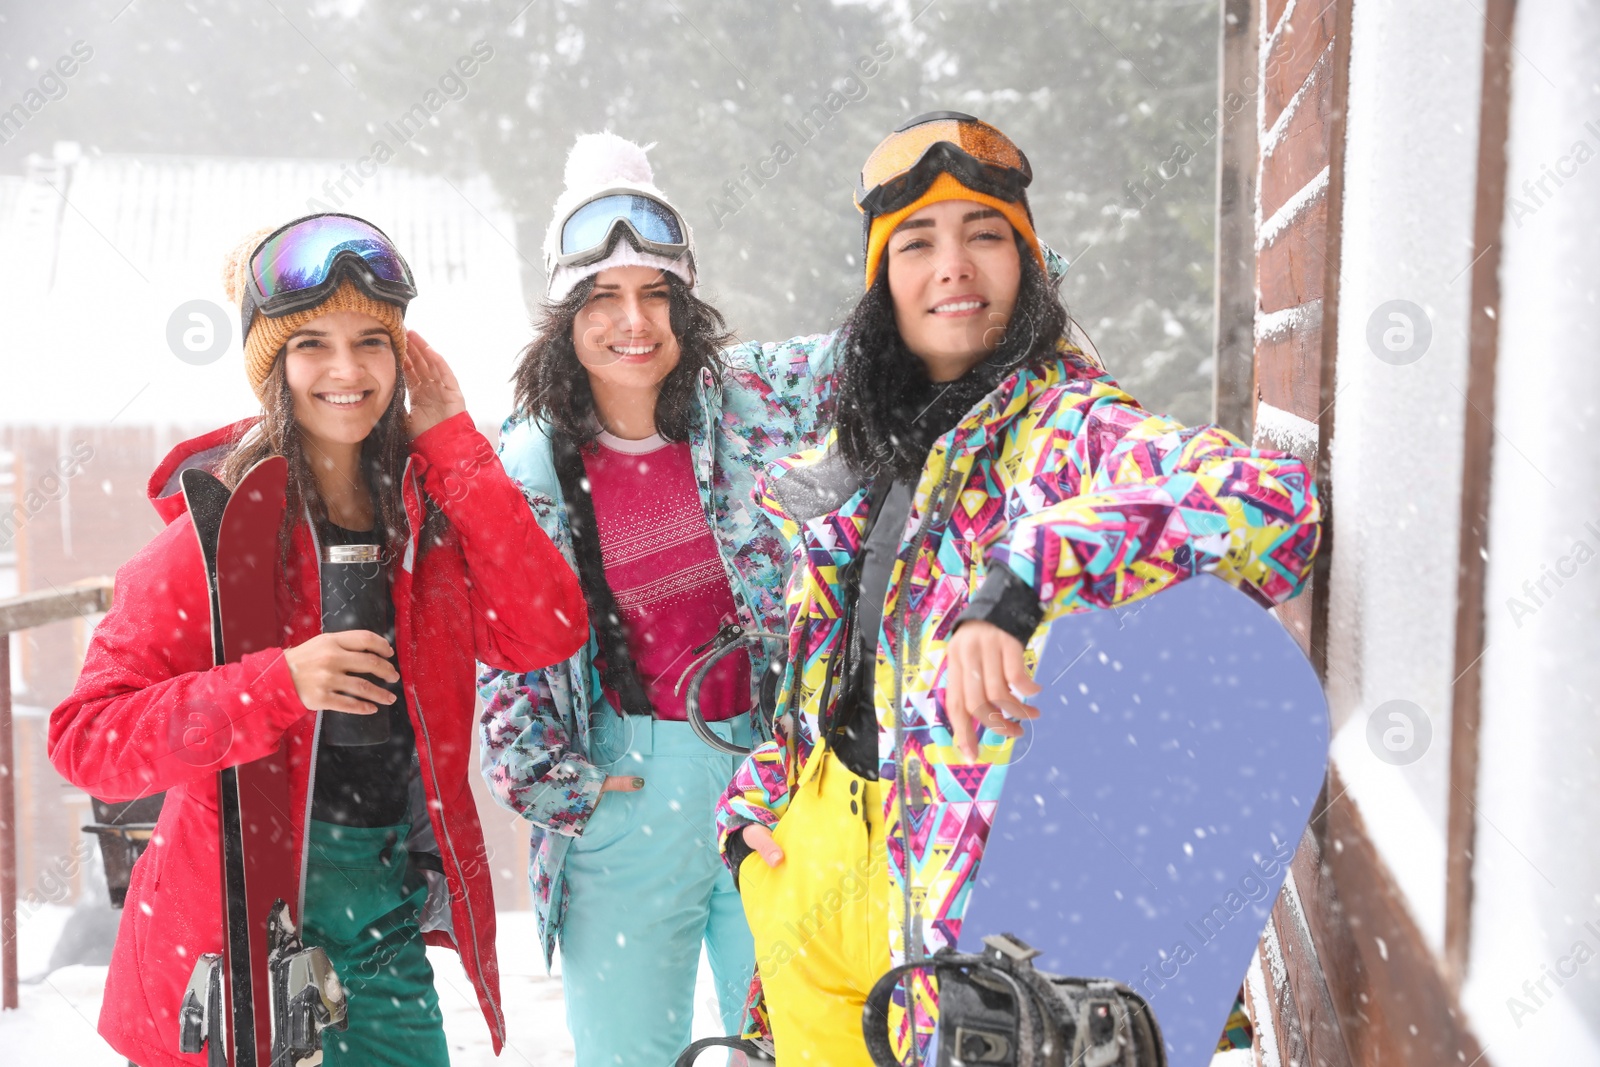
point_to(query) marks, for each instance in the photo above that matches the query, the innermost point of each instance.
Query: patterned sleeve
(798, 364)
(1124, 503)
(783, 390)
(758, 794)
(527, 754)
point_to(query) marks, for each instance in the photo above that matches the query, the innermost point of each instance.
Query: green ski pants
(362, 902)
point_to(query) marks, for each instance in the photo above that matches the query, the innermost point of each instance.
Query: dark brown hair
(553, 386)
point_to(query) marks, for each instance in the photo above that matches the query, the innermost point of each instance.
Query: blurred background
(182, 118)
(1360, 231)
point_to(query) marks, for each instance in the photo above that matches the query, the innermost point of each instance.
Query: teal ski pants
(362, 902)
(648, 887)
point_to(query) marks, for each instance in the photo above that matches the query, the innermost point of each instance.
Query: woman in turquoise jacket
(626, 872)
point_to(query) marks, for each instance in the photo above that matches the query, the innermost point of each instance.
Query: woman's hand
(435, 393)
(759, 838)
(985, 684)
(325, 668)
(621, 783)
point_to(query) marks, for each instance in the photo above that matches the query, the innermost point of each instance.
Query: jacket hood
(205, 452)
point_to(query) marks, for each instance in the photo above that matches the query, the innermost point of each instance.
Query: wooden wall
(1344, 977)
(1302, 63)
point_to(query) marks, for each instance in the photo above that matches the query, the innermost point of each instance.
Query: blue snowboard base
(1150, 813)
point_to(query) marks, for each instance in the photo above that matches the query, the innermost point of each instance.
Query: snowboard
(1150, 813)
(258, 1005)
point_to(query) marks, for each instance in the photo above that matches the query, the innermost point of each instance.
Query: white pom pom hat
(598, 163)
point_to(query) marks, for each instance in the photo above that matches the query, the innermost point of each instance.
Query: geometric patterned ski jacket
(772, 399)
(1061, 478)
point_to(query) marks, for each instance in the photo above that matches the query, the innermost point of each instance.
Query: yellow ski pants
(820, 918)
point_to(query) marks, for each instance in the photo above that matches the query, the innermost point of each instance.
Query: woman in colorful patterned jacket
(983, 477)
(636, 443)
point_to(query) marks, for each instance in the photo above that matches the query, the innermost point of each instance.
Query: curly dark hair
(383, 462)
(552, 385)
(889, 412)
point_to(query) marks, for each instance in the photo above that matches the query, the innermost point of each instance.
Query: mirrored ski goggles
(300, 265)
(590, 231)
(906, 162)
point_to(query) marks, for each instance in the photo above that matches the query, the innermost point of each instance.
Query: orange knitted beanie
(946, 187)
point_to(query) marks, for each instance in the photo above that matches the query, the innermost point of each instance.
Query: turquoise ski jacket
(772, 400)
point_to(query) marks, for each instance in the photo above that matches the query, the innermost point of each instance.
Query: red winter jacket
(495, 581)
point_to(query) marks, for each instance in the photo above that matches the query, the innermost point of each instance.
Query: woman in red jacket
(392, 856)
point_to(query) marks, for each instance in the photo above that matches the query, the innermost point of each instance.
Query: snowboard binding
(996, 1008)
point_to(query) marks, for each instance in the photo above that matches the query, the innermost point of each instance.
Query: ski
(266, 999)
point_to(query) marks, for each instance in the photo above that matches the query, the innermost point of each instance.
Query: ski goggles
(590, 230)
(906, 162)
(300, 264)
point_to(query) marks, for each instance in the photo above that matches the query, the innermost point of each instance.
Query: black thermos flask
(355, 596)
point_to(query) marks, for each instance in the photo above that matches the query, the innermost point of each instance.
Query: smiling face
(623, 333)
(954, 272)
(341, 370)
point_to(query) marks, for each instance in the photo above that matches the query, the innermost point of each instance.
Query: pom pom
(601, 159)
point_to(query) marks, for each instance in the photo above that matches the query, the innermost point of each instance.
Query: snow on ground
(535, 1015)
(38, 930)
(536, 1028)
(1239, 1057)
(56, 1020)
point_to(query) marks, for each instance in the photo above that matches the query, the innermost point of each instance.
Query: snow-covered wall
(1533, 987)
(1410, 165)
